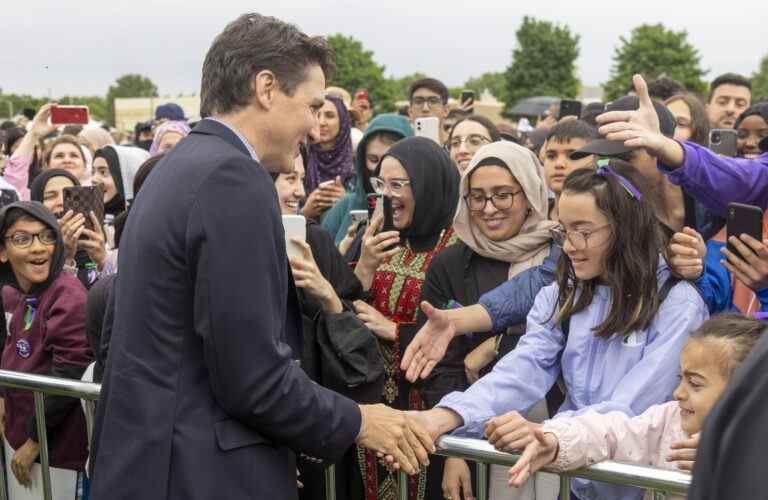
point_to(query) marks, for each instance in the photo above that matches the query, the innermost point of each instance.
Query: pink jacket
(17, 174)
(593, 437)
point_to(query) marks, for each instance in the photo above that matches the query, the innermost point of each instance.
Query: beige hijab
(530, 246)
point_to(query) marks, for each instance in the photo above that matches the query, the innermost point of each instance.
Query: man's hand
(640, 128)
(22, 461)
(687, 251)
(429, 345)
(684, 452)
(396, 435)
(510, 432)
(751, 266)
(457, 479)
(539, 453)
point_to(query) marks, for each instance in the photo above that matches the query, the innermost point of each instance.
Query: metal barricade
(659, 481)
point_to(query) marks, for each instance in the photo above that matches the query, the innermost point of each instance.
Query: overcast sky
(68, 47)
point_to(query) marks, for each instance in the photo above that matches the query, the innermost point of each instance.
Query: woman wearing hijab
(329, 159)
(46, 336)
(167, 136)
(423, 184)
(84, 257)
(502, 223)
(114, 168)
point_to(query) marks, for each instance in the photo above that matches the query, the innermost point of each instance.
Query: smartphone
(83, 200)
(468, 97)
(428, 127)
(744, 219)
(569, 108)
(358, 216)
(326, 183)
(69, 115)
(389, 223)
(295, 227)
(723, 141)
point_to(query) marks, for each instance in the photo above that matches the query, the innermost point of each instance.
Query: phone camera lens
(716, 138)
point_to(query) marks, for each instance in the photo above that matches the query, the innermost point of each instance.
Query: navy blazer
(201, 399)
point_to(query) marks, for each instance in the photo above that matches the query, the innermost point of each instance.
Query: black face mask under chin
(145, 145)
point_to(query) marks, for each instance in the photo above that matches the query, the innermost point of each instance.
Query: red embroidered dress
(395, 292)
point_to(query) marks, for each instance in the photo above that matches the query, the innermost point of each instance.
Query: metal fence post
(482, 481)
(330, 482)
(565, 487)
(42, 439)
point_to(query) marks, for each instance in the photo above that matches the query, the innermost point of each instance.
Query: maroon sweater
(54, 344)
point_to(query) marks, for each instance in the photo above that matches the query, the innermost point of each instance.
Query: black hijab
(37, 190)
(38, 212)
(435, 185)
(117, 203)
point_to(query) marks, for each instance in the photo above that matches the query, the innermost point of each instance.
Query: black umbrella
(533, 106)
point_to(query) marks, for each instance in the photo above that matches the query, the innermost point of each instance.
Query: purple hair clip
(604, 169)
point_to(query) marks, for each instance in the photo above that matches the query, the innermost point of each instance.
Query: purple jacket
(717, 181)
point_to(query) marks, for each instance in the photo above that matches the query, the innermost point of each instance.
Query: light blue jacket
(626, 374)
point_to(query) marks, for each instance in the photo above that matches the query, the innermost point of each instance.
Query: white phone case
(428, 127)
(295, 227)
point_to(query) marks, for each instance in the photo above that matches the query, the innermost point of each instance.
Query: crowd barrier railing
(659, 481)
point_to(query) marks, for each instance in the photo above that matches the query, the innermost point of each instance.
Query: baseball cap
(604, 147)
(170, 111)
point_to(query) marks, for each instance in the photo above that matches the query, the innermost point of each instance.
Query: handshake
(404, 439)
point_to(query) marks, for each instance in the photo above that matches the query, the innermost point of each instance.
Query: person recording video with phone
(428, 97)
(85, 249)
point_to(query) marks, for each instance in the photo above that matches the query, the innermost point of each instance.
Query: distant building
(131, 110)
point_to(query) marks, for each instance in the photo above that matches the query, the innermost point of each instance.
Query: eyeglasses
(502, 201)
(579, 239)
(429, 101)
(396, 186)
(24, 240)
(474, 140)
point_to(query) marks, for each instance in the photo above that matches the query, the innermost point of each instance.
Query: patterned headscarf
(325, 165)
(175, 127)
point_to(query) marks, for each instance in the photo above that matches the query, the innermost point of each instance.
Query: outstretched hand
(429, 345)
(539, 453)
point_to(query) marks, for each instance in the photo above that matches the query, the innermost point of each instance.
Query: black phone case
(728, 144)
(744, 219)
(569, 108)
(389, 224)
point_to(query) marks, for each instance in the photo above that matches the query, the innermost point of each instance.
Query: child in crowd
(665, 435)
(613, 325)
(46, 336)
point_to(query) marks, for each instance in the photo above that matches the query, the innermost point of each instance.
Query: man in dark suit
(201, 399)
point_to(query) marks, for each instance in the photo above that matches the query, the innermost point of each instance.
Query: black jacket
(201, 398)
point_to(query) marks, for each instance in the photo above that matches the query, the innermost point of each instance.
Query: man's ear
(264, 87)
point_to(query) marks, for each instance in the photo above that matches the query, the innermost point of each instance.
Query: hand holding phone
(744, 219)
(467, 100)
(84, 200)
(69, 115)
